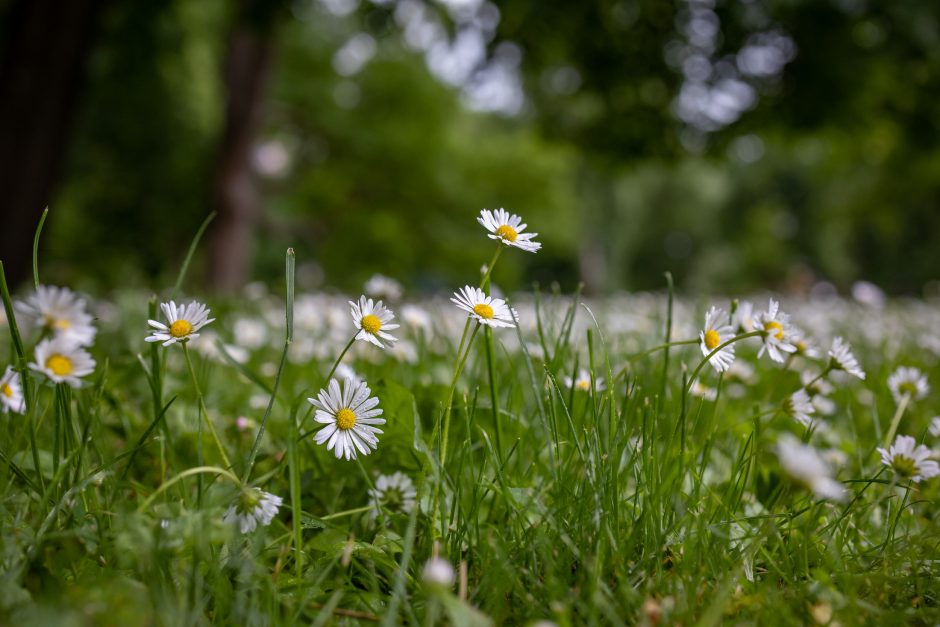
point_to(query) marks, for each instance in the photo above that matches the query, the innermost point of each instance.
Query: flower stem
(340, 358)
(188, 473)
(485, 281)
(896, 420)
(202, 406)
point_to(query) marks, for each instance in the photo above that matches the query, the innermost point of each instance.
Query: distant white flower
(349, 415)
(774, 327)
(743, 318)
(818, 391)
(805, 346)
(250, 333)
(508, 229)
(909, 460)
(183, 323)
(805, 466)
(252, 508)
(372, 320)
(62, 361)
(58, 310)
(909, 382)
(380, 286)
(11, 393)
(935, 427)
(799, 407)
(394, 493)
(493, 312)
(345, 371)
(416, 317)
(841, 358)
(583, 382)
(717, 331)
(439, 572)
(703, 391)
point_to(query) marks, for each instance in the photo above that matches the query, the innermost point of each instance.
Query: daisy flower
(583, 382)
(774, 327)
(805, 346)
(11, 394)
(716, 332)
(349, 415)
(183, 322)
(58, 310)
(806, 467)
(254, 507)
(508, 229)
(394, 493)
(935, 427)
(909, 382)
(371, 318)
(818, 391)
(493, 312)
(416, 317)
(909, 460)
(703, 391)
(799, 407)
(743, 318)
(841, 358)
(381, 286)
(62, 361)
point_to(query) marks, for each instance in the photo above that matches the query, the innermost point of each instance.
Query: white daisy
(393, 493)
(935, 427)
(253, 507)
(774, 327)
(62, 361)
(380, 286)
(11, 393)
(508, 229)
(490, 311)
(805, 346)
(716, 332)
(371, 318)
(909, 382)
(909, 460)
(183, 322)
(439, 572)
(841, 358)
(416, 317)
(703, 391)
(806, 467)
(583, 382)
(799, 407)
(818, 391)
(58, 310)
(349, 415)
(743, 318)
(250, 333)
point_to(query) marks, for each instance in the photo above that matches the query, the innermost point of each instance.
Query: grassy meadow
(544, 459)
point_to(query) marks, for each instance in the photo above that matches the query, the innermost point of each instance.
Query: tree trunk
(41, 79)
(235, 192)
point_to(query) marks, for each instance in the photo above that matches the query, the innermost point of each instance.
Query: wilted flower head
(909, 460)
(59, 311)
(253, 507)
(508, 229)
(183, 323)
(841, 358)
(804, 465)
(908, 382)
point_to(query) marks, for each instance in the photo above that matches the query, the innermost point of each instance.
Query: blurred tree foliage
(655, 136)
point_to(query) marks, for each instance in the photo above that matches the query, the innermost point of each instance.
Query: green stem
(199, 470)
(202, 406)
(348, 512)
(494, 396)
(896, 420)
(340, 358)
(485, 281)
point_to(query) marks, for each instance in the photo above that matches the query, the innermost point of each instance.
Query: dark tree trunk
(41, 79)
(235, 191)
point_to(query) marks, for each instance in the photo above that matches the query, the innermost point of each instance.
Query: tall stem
(340, 358)
(896, 420)
(202, 406)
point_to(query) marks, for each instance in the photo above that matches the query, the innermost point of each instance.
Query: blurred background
(739, 144)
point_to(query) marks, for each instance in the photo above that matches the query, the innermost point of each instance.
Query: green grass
(632, 504)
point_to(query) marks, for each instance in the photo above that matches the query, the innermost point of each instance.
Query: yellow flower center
(904, 466)
(908, 387)
(60, 365)
(583, 384)
(6, 390)
(371, 324)
(801, 347)
(345, 418)
(507, 233)
(181, 328)
(712, 339)
(61, 324)
(483, 310)
(772, 326)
